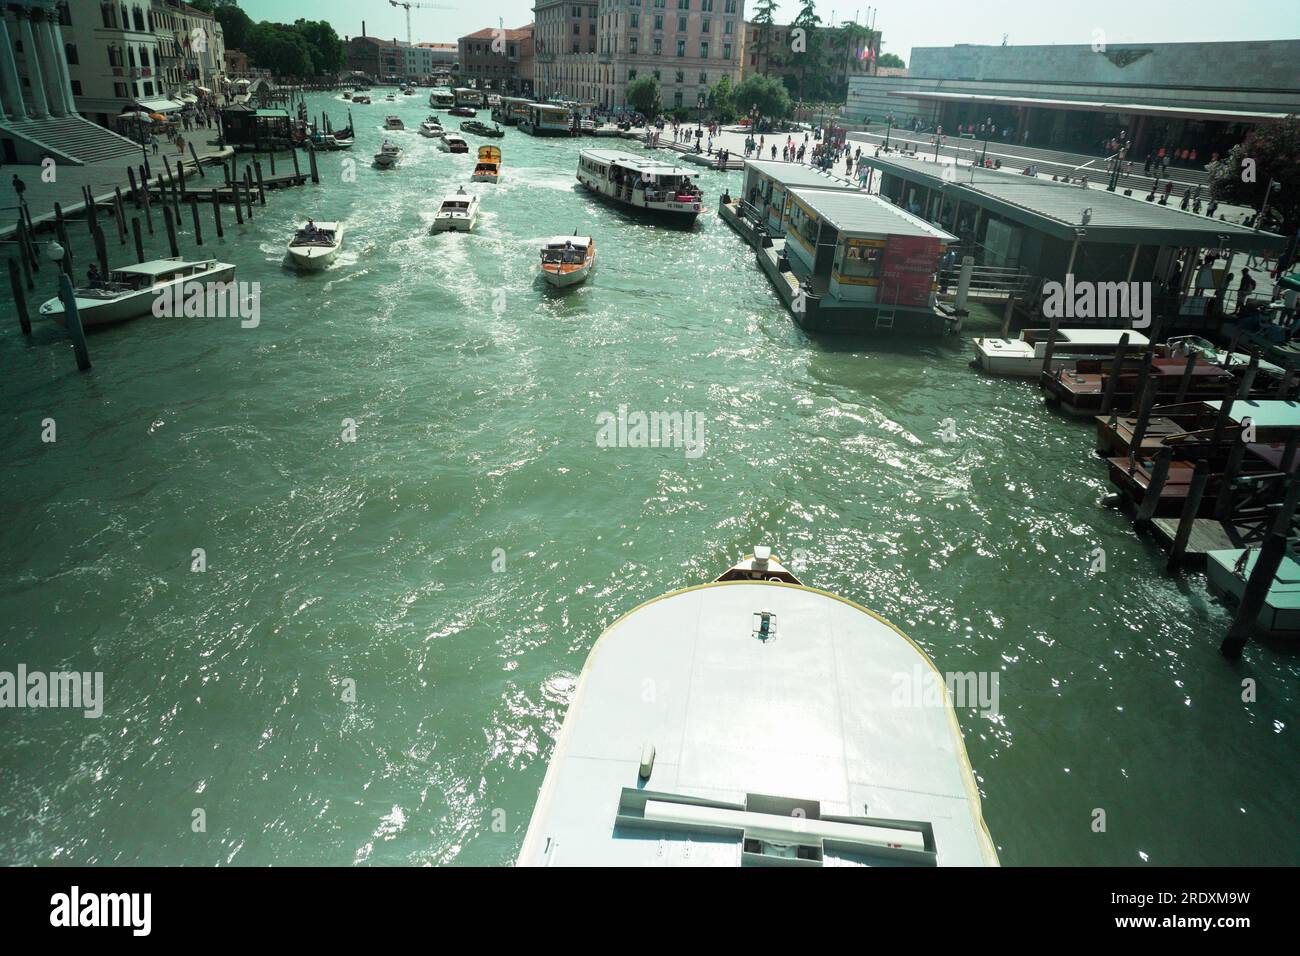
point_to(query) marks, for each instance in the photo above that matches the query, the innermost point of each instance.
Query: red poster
(908, 270)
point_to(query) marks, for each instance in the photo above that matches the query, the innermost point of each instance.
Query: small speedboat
(393, 122)
(458, 213)
(479, 128)
(408, 92)
(315, 245)
(463, 111)
(130, 291)
(387, 156)
(432, 128)
(568, 260)
(453, 143)
(391, 98)
(488, 167)
(361, 99)
(347, 94)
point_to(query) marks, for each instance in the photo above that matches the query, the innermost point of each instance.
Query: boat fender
(647, 761)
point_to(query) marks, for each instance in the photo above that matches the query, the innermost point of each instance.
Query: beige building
(688, 45)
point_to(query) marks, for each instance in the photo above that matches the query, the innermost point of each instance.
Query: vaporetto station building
(1194, 96)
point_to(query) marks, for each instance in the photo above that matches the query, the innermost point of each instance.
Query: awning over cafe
(159, 105)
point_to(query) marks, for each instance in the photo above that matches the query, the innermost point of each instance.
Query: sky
(905, 24)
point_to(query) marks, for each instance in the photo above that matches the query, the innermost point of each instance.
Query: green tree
(1269, 152)
(891, 59)
(235, 24)
(280, 49)
(643, 94)
(765, 92)
(806, 45)
(326, 47)
(722, 100)
(765, 20)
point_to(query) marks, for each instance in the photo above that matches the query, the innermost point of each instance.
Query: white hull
(679, 210)
(1016, 358)
(458, 224)
(96, 312)
(563, 280)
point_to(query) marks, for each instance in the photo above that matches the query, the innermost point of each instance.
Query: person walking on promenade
(1244, 289)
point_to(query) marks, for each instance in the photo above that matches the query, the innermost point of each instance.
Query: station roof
(858, 212)
(797, 174)
(1095, 106)
(1057, 208)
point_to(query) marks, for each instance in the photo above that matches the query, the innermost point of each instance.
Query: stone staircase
(71, 139)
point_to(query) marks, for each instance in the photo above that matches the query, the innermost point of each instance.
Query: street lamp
(889, 129)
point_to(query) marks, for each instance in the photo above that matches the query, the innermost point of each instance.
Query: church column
(11, 87)
(53, 82)
(40, 108)
(61, 61)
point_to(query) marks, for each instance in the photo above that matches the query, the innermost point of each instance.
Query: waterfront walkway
(102, 178)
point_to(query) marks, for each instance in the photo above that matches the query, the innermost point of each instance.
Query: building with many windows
(498, 59)
(688, 45)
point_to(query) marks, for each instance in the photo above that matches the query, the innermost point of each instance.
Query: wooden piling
(101, 252)
(25, 264)
(61, 230)
(216, 212)
(1185, 382)
(135, 186)
(118, 216)
(1151, 497)
(1187, 520)
(170, 222)
(248, 191)
(261, 189)
(1228, 480)
(92, 213)
(72, 322)
(1287, 461)
(148, 208)
(1248, 375)
(239, 202)
(1225, 411)
(197, 165)
(198, 229)
(311, 159)
(297, 173)
(20, 296)
(1116, 366)
(1288, 381)
(139, 242)
(1254, 594)
(271, 156)
(1145, 401)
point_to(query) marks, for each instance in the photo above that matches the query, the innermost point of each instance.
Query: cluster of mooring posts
(1201, 448)
(147, 198)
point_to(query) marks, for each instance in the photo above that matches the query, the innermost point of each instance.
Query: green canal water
(456, 561)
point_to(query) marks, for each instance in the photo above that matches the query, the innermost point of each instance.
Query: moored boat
(488, 167)
(1023, 357)
(316, 245)
(457, 213)
(453, 143)
(568, 260)
(775, 735)
(441, 98)
(463, 111)
(361, 99)
(641, 184)
(130, 291)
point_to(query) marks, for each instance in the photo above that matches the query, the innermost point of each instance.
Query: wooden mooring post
(261, 188)
(197, 164)
(1225, 411)
(216, 212)
(1254, 594)
(1248, 375)
(311, 159)
(101, 251)
(198, 229)
(248, 191)
(20, 296)
(72, 322)
(239, 203)
(139, 241)
(1187, 520)
(1227, 481)
(1116, 366)
(1185, 382)
(1145, 401)
(170, 223)
(135, 186)
(1151, 498)
(118, 216)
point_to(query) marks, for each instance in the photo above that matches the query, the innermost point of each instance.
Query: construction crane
(418, 6)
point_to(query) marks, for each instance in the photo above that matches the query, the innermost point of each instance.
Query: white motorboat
(362, 99)
(488, 167)
(130, 291)
(432, 129)
(753, 721)
(387, 156)
(1023, 357)
(453, 143)
(458, 213)
(315, 245)
(393, 122)
(568, 260)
